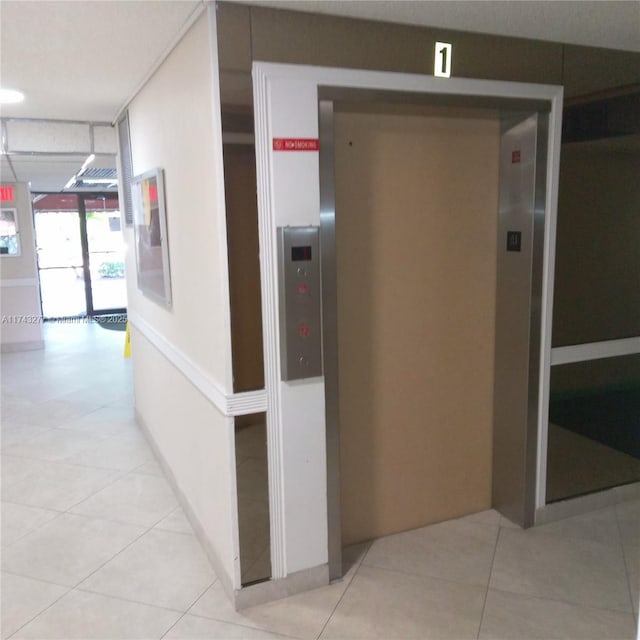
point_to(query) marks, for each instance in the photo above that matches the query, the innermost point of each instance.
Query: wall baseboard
(13, 347)
(283, 588)
(217, 565)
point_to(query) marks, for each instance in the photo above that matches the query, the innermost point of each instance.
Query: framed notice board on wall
(150, 231)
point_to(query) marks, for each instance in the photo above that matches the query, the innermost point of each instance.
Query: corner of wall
(21, 311)
(182, 354)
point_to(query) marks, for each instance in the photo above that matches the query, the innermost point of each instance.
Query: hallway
(95, 545)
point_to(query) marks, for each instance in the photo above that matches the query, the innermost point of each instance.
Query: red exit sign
(6, 194)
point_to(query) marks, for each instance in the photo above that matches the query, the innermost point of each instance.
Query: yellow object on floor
(127, 342)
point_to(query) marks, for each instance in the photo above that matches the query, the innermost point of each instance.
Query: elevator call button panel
(300, 302)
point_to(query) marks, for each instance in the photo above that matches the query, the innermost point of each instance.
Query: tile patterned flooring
(94, 544)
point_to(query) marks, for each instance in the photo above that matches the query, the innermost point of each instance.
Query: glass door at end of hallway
(80, 252)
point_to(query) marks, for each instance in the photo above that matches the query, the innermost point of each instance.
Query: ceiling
(48, 172)
(84, 59)
(81, 60)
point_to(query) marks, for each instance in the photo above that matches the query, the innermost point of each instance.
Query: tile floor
(94, 544)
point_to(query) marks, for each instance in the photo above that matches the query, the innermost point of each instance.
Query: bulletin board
(150, 231)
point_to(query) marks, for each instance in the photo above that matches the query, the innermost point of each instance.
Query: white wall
(172, 126)
(175, 125)
(20, 299)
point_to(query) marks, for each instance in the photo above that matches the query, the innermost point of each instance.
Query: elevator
(430, 276)
(436, 206)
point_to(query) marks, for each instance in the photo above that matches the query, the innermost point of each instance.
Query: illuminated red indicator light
(303, 289)
(6, 194)
(304, 331)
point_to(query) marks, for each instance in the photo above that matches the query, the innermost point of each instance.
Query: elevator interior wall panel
(416, 228)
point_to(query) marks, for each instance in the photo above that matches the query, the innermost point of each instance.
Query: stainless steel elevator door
(416, 233)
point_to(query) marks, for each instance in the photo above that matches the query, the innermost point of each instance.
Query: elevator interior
(432, 226)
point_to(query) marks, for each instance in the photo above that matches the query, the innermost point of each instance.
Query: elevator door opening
(416, 234)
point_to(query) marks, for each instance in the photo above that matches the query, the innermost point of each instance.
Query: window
(9, 239)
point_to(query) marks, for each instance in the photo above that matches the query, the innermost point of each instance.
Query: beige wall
(175, 125)
(259, 33)
(20, 302)
(281, 36)
(416, 212)
(244, 266)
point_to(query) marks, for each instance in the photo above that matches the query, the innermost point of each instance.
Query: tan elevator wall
(244, 269)
(416, 216)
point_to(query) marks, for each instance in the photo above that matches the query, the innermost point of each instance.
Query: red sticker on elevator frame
(296, 144)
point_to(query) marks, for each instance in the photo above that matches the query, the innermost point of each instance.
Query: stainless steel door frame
(519, 292)
(330, 333)
(518, 464)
